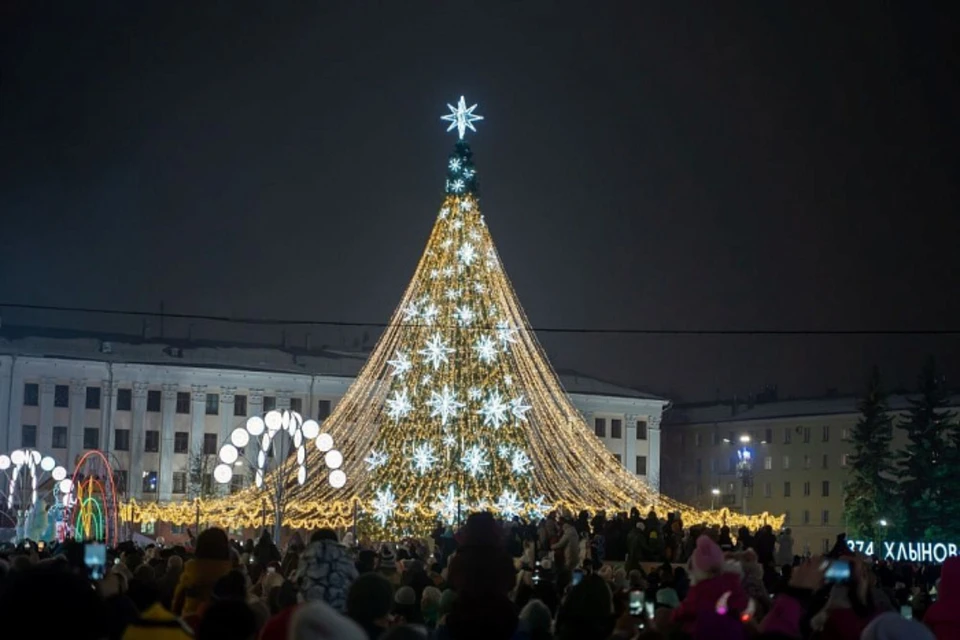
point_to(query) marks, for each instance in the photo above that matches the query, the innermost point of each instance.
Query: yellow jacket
(196, 584)
(156, 623)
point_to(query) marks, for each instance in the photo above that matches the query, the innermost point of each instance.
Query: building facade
(799, 465)
(151, 405)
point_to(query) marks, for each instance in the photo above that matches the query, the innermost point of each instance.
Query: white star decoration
(444, 405)
(452, 294)
(474, 393)
(467, 253)
(400, 363)
(464, 315)
(508, 504)
(486, 349)
(436, 351)
(448, 505)
(375, 459)
(434, 274)
(399, 405)
(461, 117)
(466, 204)
(430, 314)
(410, 311)
(505, 333)
(494, 410)
(384, 505)
(538, 508)
(457, 224)
(519, 408)
(519, 462)
(449, 441)
(423, 457)
(479, 287)
(475, 461)
(503, 451)
(444, 212)
(456, 186)
(448, 271)
(454, 164)
(426, 379)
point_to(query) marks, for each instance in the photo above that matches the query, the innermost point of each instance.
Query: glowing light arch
(92, 504)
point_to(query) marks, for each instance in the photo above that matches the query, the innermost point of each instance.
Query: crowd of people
(565, 578)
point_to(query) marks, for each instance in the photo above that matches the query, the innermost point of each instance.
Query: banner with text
(905, 551)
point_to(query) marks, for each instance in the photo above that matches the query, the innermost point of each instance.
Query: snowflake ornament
(455, 164)
(458, 224)
(449, 441)
(538, 508)
(486, 349)
(426, 380)
(475, 461)
(494, 410)
(400, 363)
(434, 274)
(479, 287)
(474, 235)
(508, 380)
(447, 243)
(466, 204)
(423, 458)
(474, 393)
(468, 173)
(506, 334)
(444, 405)
(444, 212)
(452, 294)
(508, 504)
(456, 186)
(447, 271)
(519, 408)
(384, 505)
(411, 506)
(519, 462)
(375, 459)
(410, 312)
(504, 451)
(399, 406)
(467, 253)
(464, 315)
(448, 505)
(436, 352)
(430, 314)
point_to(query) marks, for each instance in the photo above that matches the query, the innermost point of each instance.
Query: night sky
(645, 165)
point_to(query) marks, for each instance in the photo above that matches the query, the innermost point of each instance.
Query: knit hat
(213, 544)
(536, 617)
(388, 560)
(405, 596)
(319, 621)
(707, 557)
(667, 597)
(447, 600)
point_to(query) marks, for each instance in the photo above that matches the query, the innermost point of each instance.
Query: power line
(381, 325)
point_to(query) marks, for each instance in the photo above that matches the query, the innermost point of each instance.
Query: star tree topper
(461, 117)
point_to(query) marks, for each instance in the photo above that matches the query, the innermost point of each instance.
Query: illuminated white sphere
(59, 473)
(333, 459)
(18, 457)
(324, 442)
(255, 425)
(222, 473)
(301, 455)
(265, 443)
(35, 455)
(311, 429)
(47, 463)
(301, 475)
(297, 438)
(258, 478)
(285, 419)
(337, 478)
(4, 461)
(273, 420)
(229, 454)
(296, 418)
(240, 437)
(66, 485)
(261, 459)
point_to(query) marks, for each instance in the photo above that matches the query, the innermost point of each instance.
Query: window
(148, 527)
(825, 489)
(825, 545)
(600, 427)
(825, 433)
(768, 490)
(59, 438)
(806, 516)
(716, 438)
(641, 465)
(806, 488)
(787, 436)
(620, 460)
(768, 435)
(269, 403)
(786, 489)
(806, 461)
(179, 481)
(31, 394)
(616, 427)
(845, 434)
(844, 459)
(120, 480)
(178, 529)
(93, 397)
(150, 482)
(323, 409)
(183, 402)
(825, 461)
(124, 399)
(153, 401)
(28, 436)
(786, 462)
(768, 463)
(641, 429)
(806, 435)
(61, 396)
(825, 516)
(151, 443)
(181, 442)
(121, 439)
(210, 443)
(213, 404)
(732, 464)
(91, 438)
(296, 404)
(713, 465)
(237, 482)
(698, 439)
(240, 405)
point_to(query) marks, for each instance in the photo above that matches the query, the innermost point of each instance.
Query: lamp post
(713, 497)
(883, 535)
(745, 468)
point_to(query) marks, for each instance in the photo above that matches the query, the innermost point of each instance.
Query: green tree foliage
(928, 468)
(871, 494)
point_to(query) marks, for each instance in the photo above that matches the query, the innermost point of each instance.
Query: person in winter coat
(637, 549)
(569, 545)
(710, 582)
(265, 552)
(325, 572)
(943, 616)
(211, 563)
(785, 549)
(764, 544)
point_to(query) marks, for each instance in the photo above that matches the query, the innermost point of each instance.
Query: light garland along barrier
(457, 408)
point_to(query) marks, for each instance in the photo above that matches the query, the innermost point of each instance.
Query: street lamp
(715, 492)
(745, 468)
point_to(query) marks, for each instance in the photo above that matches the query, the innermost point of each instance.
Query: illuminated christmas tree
(458, 408)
